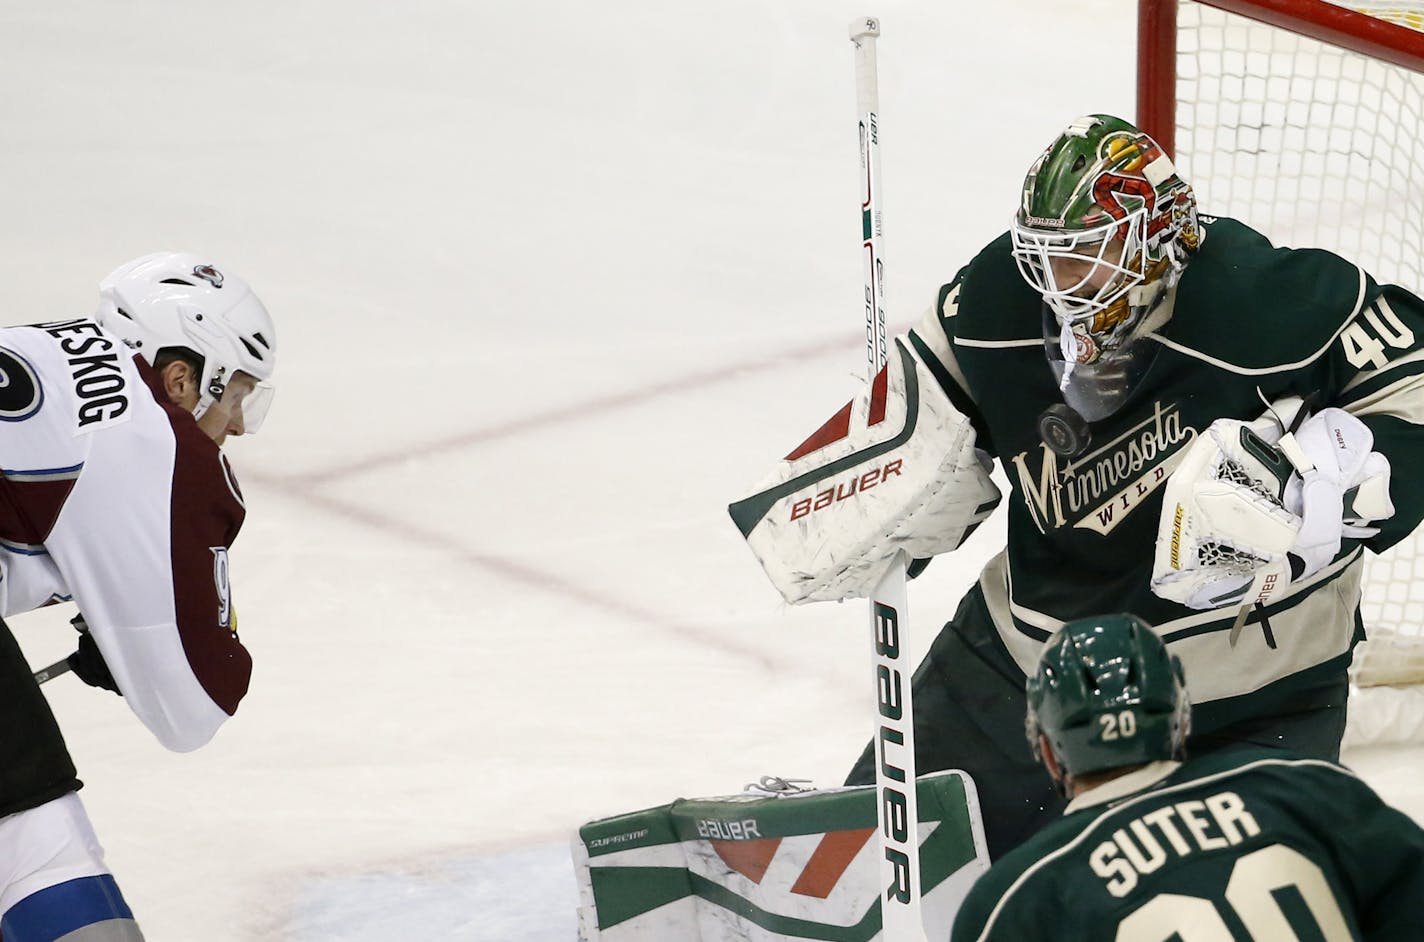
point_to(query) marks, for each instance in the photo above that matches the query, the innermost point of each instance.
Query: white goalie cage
(1315, 143)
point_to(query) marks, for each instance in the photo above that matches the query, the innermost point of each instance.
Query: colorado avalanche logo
(209, 274)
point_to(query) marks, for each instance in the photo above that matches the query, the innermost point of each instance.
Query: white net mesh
(1311, 144)
(1317, 146)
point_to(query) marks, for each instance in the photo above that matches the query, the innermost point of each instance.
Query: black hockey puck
(1064, 431)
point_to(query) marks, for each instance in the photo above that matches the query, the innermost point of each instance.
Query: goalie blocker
(895, 470)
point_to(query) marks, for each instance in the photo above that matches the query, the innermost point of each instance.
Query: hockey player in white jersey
(115, 493)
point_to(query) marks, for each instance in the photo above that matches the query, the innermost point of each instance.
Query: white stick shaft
(863, 33)
(895, 775)
(897, 802)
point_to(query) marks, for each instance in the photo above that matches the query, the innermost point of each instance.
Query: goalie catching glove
(895, 471)
(1253, 507)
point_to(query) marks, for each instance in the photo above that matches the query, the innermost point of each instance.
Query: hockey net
(1305, 120)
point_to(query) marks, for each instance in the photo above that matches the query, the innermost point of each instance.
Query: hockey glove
(1253, 508)
(87, 663)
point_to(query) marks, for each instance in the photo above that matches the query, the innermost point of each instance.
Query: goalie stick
(898, 812)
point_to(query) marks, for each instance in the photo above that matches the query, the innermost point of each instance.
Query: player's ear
(179, 380)
(1050, 761)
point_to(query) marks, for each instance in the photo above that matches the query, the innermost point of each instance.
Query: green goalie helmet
(1107, 694)
(1106, 199)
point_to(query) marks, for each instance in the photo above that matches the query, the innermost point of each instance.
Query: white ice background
(554, 282)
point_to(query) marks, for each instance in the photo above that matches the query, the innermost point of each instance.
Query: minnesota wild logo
(1114, 189)
(1097, 491)
(1134, 179)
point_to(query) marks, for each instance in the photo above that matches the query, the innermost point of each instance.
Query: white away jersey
(114, 497)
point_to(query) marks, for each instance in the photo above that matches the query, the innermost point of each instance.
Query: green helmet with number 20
(1107, 694)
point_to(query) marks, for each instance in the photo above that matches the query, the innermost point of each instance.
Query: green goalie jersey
(1247, 324)
(1242, 847)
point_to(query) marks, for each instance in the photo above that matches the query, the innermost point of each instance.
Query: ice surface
(526, 895)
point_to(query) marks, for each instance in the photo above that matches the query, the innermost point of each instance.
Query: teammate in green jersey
(1234, 847)
(1094, 347)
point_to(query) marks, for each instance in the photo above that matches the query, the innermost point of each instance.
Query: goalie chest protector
(1250, 324)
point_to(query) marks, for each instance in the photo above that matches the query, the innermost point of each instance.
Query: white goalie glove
(895, 470)
(1253, 508)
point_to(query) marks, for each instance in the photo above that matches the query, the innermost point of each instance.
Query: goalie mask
(1104, 230)
(179, 301)
(1107, 694)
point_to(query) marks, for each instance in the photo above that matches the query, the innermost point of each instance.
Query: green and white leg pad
(753, 868)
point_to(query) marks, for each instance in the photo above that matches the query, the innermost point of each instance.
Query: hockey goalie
(1198, 428)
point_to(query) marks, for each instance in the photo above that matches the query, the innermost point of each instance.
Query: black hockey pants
(35, 766)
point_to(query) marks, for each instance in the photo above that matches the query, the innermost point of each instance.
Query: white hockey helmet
(181, 301)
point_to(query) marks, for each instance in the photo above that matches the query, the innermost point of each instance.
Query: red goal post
(1305, 119)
